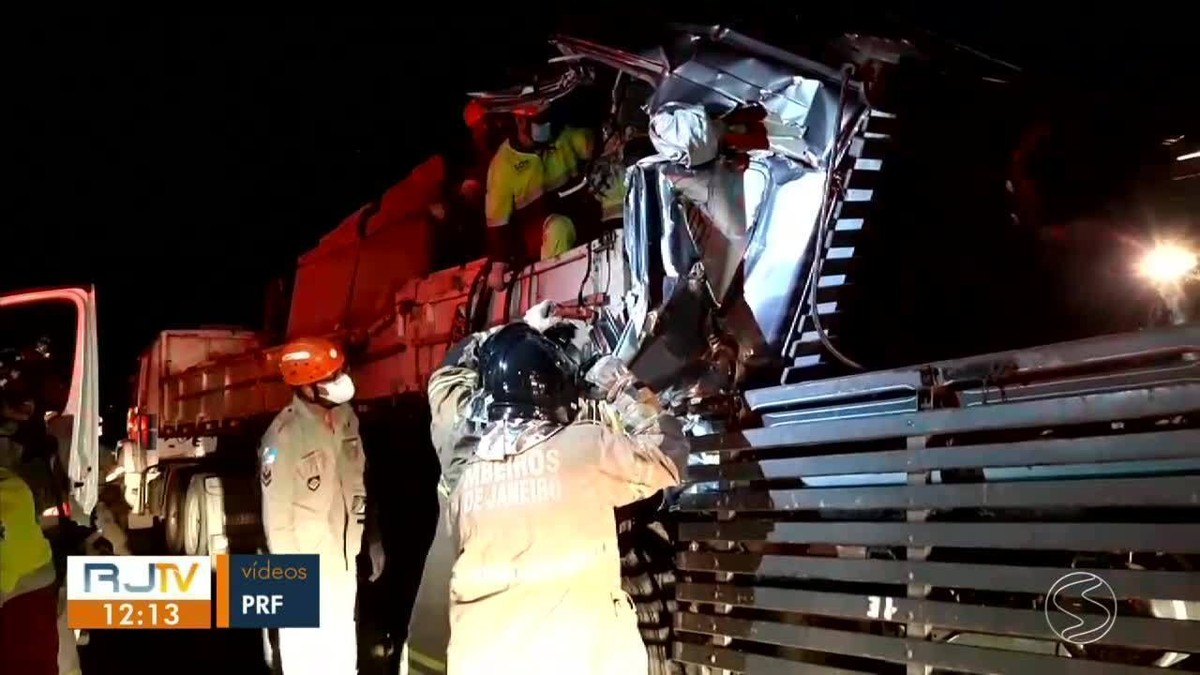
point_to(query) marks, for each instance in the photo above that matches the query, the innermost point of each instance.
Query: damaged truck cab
(930, 516)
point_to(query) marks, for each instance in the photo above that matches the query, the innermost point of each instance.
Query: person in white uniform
(311, 467)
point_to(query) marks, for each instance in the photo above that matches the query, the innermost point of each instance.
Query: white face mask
(337, 391)
(540, 132)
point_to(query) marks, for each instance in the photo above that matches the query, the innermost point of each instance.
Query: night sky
(179, 164)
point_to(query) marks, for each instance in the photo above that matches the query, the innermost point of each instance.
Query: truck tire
(174, 492)
(195, 517)
(242, 509)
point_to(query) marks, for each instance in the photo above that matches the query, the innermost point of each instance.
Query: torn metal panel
(651, 67)
(749, 228)
(783, 200)
(723, 70)
(675, 339)
(801, 104)
(748, 45)
(653, 251)
(684, 135)
(541, 93)
(753, 227)
(712, 200)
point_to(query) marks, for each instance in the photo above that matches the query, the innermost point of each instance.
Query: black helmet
(528, 376)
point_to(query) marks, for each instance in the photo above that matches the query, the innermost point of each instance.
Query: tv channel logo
(268, 591)
(1084, 620)
(139, 592)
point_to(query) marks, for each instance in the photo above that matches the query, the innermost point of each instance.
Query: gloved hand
(107, 527)
(542, 316)
(375, 553)
(576, 337)
(610, 376)
(495, 279)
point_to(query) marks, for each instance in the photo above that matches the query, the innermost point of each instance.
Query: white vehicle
(57, 329)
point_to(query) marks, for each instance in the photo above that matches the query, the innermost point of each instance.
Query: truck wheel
(175, 490)
(195, 517)
(241, 506)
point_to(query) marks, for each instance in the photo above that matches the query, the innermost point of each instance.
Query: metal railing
(1058, 535)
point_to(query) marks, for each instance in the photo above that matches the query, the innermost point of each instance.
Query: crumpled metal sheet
(784, 199)
(686, 235)
(711, 205)
(684, 134)
(723, 70)
(801, 111)
(675, 337)
(760, 222)
(657, 243)
(653, 251)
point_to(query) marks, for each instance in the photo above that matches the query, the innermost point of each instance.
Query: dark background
(181, 163)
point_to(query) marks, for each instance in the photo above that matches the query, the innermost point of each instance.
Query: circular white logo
(1068, 618)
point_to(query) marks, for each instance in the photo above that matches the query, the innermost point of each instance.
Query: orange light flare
(1168, 262)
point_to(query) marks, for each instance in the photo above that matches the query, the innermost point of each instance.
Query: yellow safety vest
(23, 547)
(517, 179)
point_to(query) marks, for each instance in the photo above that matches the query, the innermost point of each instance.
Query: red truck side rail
(394, 355)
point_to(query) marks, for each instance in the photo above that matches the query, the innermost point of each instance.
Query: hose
(586, 275)
(360, 228)
(823, 217)
(475, 314)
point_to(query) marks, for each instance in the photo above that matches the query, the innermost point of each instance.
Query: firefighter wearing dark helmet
(536, 587)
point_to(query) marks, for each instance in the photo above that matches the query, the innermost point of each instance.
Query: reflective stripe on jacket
(536, 587)
(517, 179)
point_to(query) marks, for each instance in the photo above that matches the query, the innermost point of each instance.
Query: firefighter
(536, 587)
(312, 467)
(28, 593)
(533, 194)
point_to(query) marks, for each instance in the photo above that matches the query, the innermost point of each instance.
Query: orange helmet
(474, 113)
(310, 360)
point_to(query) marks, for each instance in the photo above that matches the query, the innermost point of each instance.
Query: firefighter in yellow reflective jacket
(28, 597)
(311, 466)
(536, 587)
(534, 184)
